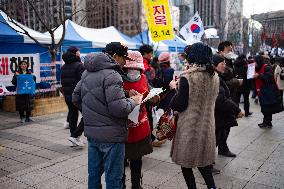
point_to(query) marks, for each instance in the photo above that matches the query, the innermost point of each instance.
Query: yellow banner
(159, 19)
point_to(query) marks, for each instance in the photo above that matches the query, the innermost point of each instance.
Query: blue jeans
(108, 158)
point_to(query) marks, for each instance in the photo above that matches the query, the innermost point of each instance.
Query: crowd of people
(205, 96)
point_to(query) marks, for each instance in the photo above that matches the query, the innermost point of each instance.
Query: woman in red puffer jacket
(139, 135)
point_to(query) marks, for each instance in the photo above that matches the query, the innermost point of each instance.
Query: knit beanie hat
(138, 60)
(199, 53)
(217, 59)
(164, 57)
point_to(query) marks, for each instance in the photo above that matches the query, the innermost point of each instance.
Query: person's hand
(137, 98)
(173, 84)
(241, 114)
(17, 73)
(255, 75)
(132, 92)
(241, 81)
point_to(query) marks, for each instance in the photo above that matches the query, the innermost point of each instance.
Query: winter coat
(104, 105)
(24, 102)
(267, 90)
(279, 82)
(139, 140)
(194, 141)
(226, 109)
(240, 70)
(71, 72)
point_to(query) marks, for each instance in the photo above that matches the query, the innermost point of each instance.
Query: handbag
(166, 126)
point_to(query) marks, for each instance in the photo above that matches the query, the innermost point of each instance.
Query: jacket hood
(70, 58)
(95, 62)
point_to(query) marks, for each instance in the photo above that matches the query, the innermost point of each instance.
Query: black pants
(149, 107)
(267, 118)
(206, 173)
(73, 113)
(222, 135)
(245, 94)
(135, 172)
(22, 114)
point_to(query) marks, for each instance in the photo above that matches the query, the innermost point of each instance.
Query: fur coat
(194, 141)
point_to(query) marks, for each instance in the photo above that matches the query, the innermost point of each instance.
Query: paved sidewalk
(38, 155)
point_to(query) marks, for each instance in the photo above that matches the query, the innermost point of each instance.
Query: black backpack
(281, 74)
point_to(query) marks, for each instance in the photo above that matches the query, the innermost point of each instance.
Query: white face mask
(133, 74)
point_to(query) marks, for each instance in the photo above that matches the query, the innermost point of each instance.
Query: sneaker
(29, 120)
(66, 125)
(75, 141)
(22, 120)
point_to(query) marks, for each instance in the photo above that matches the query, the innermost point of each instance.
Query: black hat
(217, 59)
(199, 53)
(73, 49)
(117, 48)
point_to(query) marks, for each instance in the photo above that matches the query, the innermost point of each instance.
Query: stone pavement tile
(7, 163)
(12, 184)
(243, 169)
(149, 163)
(40, 143)
(2, 158)
(56, 182)
(3, 173)
(80, 174)
(31, 149)
(63, 167)
(82, 159)
(222, 161)
(80, 186)
(15, 167)
(268, 179)
(21, 138)
(254, 155)
(18, 145)
(160, 174)
(273, 168)
(253, 185)
(30, 159)
(48, 154)
(35, 177)
(226, 182)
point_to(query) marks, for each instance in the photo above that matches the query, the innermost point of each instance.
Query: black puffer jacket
(71, 72)
(241, 69)
(226, 109)
(24, 102)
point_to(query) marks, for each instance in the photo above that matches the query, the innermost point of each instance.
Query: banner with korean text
(159, 19)
(9, 66)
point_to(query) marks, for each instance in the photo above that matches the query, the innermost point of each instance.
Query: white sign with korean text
(9, 66)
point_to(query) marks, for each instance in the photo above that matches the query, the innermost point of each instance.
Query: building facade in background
(127, 16)
(79, 7)
(273, 27)
(49, 11)
(186, 10)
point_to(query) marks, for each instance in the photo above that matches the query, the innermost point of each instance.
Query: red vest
(259, 82)
(139, 131)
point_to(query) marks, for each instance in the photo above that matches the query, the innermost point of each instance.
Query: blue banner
(25, 84)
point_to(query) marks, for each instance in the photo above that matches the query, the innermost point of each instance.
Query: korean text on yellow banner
(159, 19)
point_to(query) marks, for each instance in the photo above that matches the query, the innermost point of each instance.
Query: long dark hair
(20, 69)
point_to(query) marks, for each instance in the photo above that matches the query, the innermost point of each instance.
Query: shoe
(248, 114)
(22, 120)
(227, 154)
(66, 125)
(215, 171)
(264, 125)
(29, 120)
(75, 141)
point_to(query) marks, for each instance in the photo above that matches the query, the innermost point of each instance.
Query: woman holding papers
(139, 134)
(24, 102)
